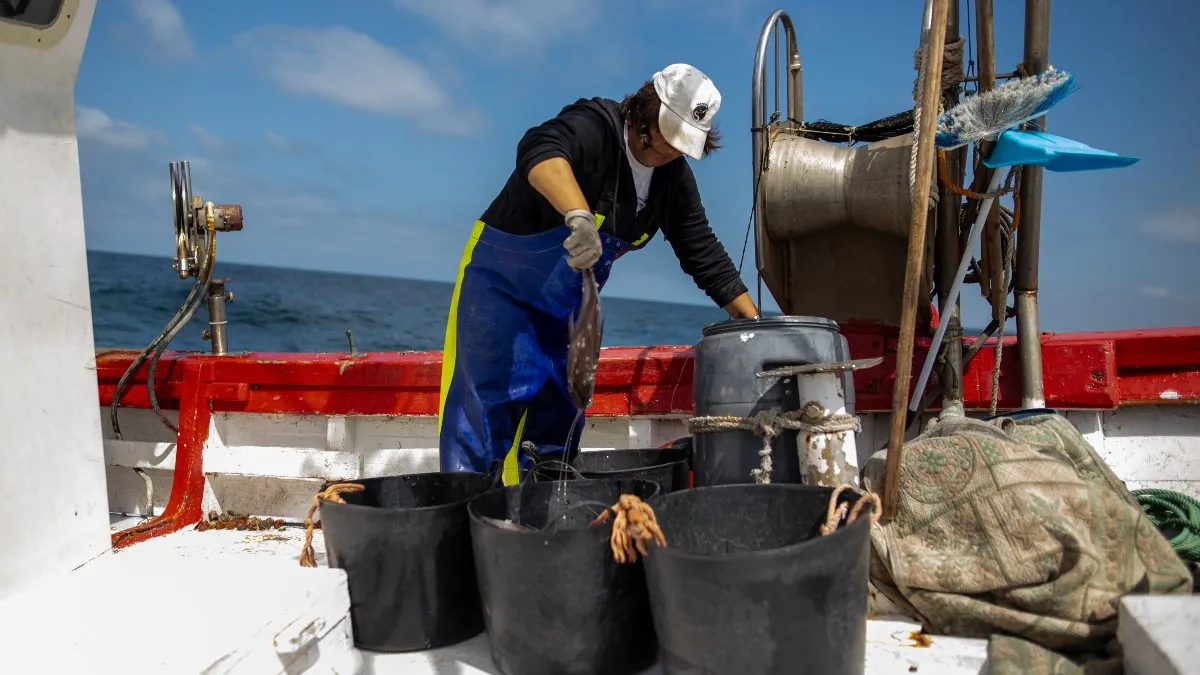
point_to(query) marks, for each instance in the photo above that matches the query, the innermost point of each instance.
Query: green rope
(1177, 516)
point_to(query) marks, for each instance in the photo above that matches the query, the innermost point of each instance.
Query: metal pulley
(194, 244)
(195, 257)
(191, 230)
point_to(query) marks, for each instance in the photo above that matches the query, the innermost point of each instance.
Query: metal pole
(758, 114)
(947, 251)
(987, 46)
(987, 81)
(218, 333)
(1029, 230)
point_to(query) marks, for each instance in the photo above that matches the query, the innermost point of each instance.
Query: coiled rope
(952, 66)
(952, 77)
(1177, 516)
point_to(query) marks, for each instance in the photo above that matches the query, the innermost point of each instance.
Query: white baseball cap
(690, 101)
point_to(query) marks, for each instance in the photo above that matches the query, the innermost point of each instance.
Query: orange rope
(634, 525)
(836, 511)
(944, 176)
(1016, 205)
(332, 493)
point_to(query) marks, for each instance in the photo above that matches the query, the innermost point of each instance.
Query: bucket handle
(837, 509)
(497, 469)
(551, 463)
(552, 526)
(495, 474)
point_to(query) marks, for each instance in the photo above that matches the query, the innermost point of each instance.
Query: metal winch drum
(824, 207)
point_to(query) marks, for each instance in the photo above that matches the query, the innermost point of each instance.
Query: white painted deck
(1159, 634)
(238, 602)
(234, 603)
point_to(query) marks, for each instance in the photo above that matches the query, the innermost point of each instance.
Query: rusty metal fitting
(230, 216)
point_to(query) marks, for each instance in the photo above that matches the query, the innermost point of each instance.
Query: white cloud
(284, 145)
(1154, 292)
(1177, 225)
(353, 69)
(164, 28)
(95, 125)
(507, 24)
(714, 10)
(209, 142)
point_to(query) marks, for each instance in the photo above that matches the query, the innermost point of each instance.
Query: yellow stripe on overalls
(448, 347)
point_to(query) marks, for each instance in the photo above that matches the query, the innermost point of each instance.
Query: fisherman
(598, 180)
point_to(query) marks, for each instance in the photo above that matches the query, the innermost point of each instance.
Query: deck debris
(238, 521)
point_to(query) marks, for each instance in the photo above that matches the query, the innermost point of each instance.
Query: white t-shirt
(641, 174)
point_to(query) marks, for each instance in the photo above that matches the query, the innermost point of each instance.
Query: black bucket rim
(768, 322)
(789, 549)
(684, 457)
(408, 509)
(610, 451)
(475, 518)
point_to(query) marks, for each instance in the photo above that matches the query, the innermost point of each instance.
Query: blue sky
(367, 136)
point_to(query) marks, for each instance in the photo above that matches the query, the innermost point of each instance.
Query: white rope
(812, 418)
(952, 76)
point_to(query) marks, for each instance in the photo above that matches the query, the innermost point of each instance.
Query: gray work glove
(583, 244)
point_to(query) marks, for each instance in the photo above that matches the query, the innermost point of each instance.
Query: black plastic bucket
(555, 601)
(669, 467)
(405, 544)
(748, 585)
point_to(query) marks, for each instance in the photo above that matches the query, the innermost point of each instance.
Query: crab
(634, 525)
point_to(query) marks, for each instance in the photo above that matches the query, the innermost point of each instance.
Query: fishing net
(1015, 530)
(879, 130)
(894, 125)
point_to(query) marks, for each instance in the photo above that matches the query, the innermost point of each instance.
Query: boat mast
(948, 240)
(1025, 270)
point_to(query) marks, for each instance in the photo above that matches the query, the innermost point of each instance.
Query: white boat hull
(271, 465)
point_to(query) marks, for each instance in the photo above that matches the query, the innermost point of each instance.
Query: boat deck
(238, 601)
(229, 601)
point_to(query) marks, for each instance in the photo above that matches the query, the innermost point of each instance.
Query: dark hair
(641, 109)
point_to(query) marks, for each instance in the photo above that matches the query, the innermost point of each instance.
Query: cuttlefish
(583, 353)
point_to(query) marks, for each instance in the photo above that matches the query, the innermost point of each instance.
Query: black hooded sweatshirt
(589, 134)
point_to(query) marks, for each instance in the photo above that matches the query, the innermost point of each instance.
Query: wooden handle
(915, 260)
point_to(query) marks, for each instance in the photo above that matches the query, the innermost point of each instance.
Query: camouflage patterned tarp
(1015, 530)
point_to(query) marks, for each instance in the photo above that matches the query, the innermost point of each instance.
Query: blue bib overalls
(505, 356)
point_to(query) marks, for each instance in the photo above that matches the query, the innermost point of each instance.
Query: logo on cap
(699, 112)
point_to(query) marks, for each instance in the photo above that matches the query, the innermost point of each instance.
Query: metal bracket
(813, 368)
